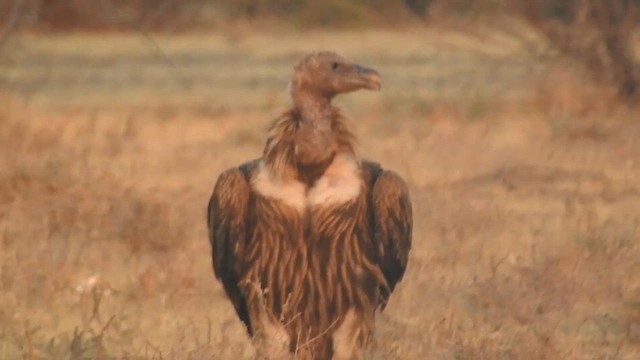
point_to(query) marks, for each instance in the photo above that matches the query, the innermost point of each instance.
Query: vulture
(309, 241)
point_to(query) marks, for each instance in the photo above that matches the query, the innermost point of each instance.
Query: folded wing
(392, 227)
(228, 228)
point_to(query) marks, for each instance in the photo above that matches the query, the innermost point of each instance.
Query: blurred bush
(320, 13)
(597, 34)
(83, 15)
(185, 14)
(66, 15)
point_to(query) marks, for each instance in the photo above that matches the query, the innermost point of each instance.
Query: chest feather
(340, 183)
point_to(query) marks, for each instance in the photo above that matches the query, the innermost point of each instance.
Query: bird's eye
(334, 66)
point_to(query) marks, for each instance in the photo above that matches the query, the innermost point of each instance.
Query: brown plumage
(308, 240)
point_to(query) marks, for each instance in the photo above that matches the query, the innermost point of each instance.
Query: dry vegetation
(525, 181)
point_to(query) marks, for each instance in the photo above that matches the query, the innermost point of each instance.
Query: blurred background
(515, 123)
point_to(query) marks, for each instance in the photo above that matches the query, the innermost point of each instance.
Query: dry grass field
(525, 182)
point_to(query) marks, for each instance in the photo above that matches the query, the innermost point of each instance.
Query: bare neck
(313, 109)
(315, 142)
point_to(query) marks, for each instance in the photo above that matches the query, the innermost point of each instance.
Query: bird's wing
(392, 223)
(228, 222)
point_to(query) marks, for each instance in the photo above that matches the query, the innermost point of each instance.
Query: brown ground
(525, 184)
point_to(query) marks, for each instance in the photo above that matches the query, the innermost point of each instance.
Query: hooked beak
(369, 78)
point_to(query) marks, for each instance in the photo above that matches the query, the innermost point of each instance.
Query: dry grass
(527, 208)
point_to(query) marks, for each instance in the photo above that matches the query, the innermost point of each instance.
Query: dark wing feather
(228, 229)
(392, 224)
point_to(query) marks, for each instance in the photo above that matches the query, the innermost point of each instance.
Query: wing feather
(392, 225)
(228, 228)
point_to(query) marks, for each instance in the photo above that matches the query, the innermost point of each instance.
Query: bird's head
(327, 74)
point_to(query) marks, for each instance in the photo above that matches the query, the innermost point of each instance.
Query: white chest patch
(290, 192)
(340, 183)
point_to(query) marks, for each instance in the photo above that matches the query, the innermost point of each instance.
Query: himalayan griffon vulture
(309, 241)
